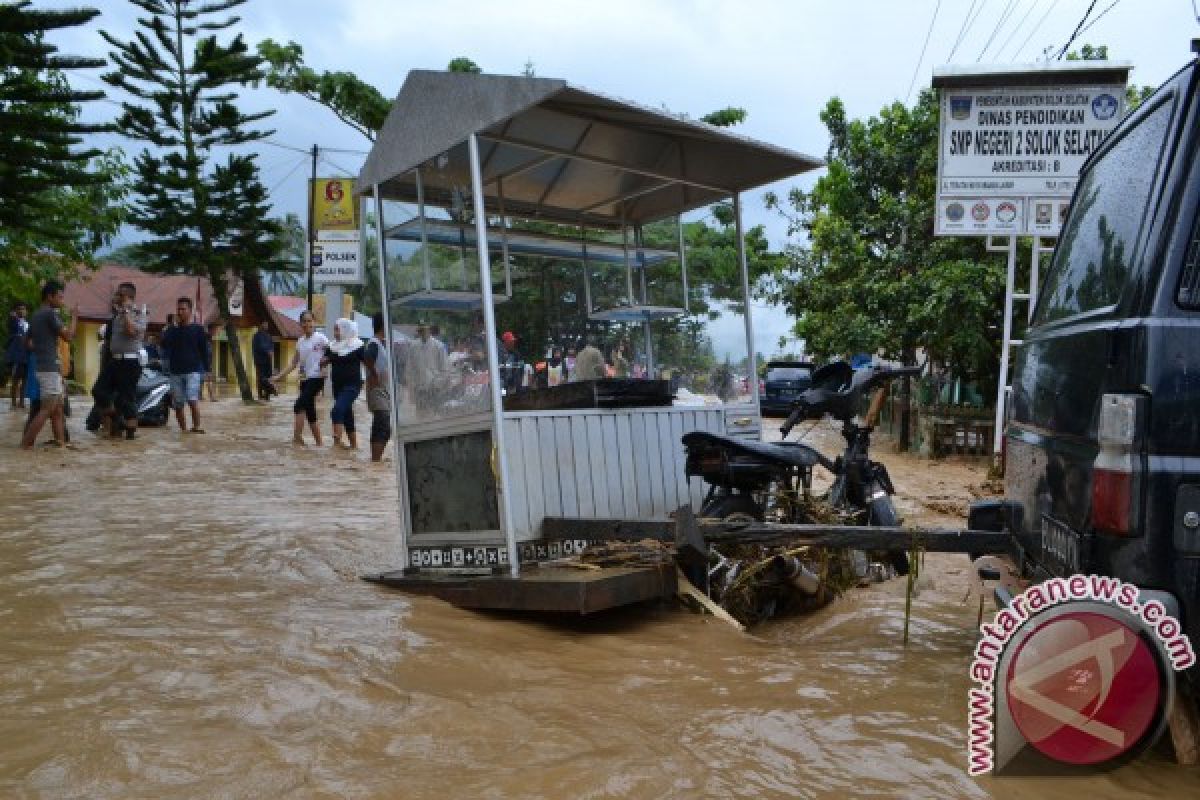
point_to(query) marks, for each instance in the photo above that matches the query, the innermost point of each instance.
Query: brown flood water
(181, 617)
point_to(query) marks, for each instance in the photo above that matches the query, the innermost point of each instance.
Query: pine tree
(37, 151)
(207, 218)
(58, 202)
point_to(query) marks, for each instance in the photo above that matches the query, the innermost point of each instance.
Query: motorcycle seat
(792, 454)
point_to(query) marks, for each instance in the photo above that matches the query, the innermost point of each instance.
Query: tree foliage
(725, 117)
(60, 202)
(463, 64)
(206, 217)
(872, 276)
(287, 275)
(354, 101)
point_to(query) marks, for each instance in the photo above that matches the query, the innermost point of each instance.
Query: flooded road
(180, 617)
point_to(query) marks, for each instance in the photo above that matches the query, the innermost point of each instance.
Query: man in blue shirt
(186, 348)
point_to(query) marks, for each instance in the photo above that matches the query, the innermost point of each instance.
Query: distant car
(784, 382)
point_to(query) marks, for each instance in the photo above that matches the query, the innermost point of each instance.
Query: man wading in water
(45, 330)
(186, 346)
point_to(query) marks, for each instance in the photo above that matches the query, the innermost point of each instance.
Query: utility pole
(312, 234)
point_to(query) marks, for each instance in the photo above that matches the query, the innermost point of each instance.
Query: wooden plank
(551, 490)
(552, 590)
(653, 466)
(675, 464)
(531, 457)
(703, 421)
(514, 494)
(934, 540)
(666, 466)
(624, 454)
(566, 466)
(597, 444)
(644, 505)
(580, 448)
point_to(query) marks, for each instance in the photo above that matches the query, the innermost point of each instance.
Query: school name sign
(1009, 155)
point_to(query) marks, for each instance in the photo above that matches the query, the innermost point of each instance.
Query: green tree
(59, 202)
(463, 64)
(872, 276)
(287, 277)
(353, 101)
(206, 217)
(725, 117)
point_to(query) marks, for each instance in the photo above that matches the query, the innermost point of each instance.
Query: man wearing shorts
(45, 330)
(186, 349)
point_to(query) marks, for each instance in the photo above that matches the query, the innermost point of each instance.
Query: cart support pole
(393, 401)
(424, 236)
(504, 239)
(587, 276)
(683, 262)
(489, 322)
(751, 359)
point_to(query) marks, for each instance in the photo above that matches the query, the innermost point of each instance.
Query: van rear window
(1095, 250)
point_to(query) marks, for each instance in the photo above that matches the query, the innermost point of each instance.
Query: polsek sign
(1009, 155)
(337, 262)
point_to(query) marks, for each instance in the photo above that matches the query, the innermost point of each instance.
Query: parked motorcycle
(153, 395)
(755, 481)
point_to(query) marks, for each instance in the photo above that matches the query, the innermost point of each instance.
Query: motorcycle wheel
(732, 507)
(881, 513)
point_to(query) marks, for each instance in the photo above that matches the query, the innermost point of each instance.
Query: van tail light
(1117, 471)
(762, 386)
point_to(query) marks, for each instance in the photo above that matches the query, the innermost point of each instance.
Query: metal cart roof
(558, 152)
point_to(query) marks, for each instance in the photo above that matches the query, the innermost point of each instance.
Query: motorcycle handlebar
(793, 418)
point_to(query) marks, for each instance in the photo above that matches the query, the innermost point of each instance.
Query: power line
(1105, 11)
(338, 167)
(1004, 15)
(1035, 29)
(286, 146)
(299, 163)
(1021, 24)
(962, 31)
(921, 58)
(1086, 14)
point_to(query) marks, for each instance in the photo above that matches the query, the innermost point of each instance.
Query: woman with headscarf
(345, 358)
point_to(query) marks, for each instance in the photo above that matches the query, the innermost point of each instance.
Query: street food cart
(520, 221)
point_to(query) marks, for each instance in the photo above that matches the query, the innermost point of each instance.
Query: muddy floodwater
(181, 616)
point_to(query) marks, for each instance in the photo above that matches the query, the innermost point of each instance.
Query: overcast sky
(781, 61)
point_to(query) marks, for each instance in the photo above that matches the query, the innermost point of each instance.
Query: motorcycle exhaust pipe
(790, 569)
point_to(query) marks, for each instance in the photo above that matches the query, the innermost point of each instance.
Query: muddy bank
(180, 617)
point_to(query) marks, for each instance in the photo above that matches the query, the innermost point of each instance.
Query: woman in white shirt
(310, 349)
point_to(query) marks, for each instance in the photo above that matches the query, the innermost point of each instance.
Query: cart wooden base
(545, 589)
